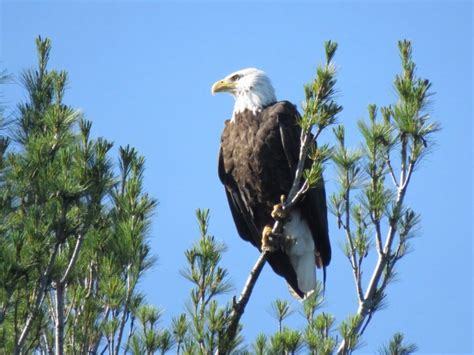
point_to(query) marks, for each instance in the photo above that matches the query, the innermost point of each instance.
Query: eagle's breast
(253, 155)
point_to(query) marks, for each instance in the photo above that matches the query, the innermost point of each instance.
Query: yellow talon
(278, 213)
(267, 244)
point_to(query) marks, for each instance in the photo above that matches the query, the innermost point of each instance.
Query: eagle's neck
(253, 100)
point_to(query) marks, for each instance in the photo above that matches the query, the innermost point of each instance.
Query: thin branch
(131, 332)
(298, 195)
(411, 166)
(46, 343)
(391, 171)
(43, 283)
(238, 307)
(352, 256)
(101, 326)
(304, 145)
(51, 305)
(124, 319)
(363, 309)
(73, 301)
(74, 257)
(403, 161)
(369, 318)
(378, 234)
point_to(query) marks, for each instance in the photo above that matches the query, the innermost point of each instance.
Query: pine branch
(352, 257)
(412, 131)
(238, 307)
(125, 311)
(73, 259)
(43, 283)
(378, 235)
(391, 171)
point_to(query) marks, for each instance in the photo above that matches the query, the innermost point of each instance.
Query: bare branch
(378, 235)
(71, 306)
(125, 311)
(352, 256)
(51, 305)
(43, 283)
(238, 307)
(391, 171)
(411, 166)
(74, 257)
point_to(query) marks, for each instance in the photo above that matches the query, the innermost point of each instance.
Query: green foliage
(203, 259)
(150, 338)
(397, 347)
(180, 328)
(320, 109)
(393, 145)
(260, 344)
(73, 243)
(280, 309)
(319, 156)
(205, 331)
(348, 331)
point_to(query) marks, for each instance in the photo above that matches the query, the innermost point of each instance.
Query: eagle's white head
(251, 88)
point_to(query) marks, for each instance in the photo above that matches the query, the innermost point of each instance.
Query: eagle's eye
(235, 77)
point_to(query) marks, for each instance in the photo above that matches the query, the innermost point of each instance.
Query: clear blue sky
(142, 72)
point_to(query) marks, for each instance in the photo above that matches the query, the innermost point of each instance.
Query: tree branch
(352, 256)
(238, 307)
(391, 171)
(378, 235)
(74, 257)
(363, 310)
(130, 288)
(38, 300)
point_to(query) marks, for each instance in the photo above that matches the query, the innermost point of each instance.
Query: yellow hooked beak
(222, 86)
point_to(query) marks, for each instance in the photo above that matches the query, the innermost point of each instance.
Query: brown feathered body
(257, 162)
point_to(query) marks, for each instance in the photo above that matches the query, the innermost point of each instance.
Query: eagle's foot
(268, 240)
(278, 213)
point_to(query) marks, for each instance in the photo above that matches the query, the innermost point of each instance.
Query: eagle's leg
(269, 244)
(278, 213)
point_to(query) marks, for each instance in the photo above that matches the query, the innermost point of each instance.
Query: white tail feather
(301, 252)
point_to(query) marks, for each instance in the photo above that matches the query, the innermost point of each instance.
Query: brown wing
(241, 212)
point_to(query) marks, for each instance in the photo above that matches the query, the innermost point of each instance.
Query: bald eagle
(257, 163)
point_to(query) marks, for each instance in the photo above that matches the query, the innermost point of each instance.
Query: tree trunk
(59, 326)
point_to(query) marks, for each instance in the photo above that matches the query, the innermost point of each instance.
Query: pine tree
(73, 234)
